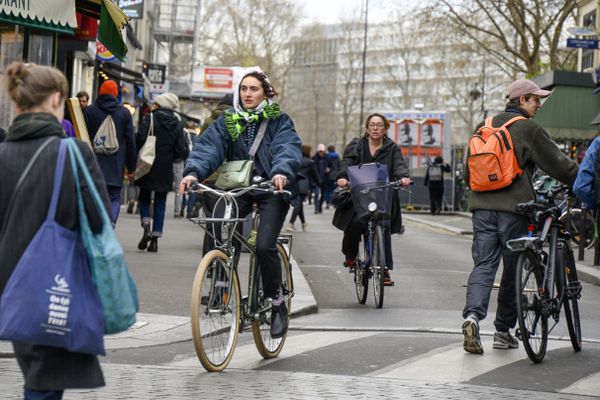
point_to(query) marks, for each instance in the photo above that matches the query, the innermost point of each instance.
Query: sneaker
(304, 225)
(387, 279)
(289, 228)
(504, 340)
(470, 330)
(279, 321)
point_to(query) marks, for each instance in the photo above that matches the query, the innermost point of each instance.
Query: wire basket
(374, 192)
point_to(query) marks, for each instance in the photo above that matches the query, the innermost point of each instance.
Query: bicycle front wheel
(215, 311)
(267, 346)
(589, 226)
(361, 275)
(378, 266)
(533, 322)
(569, 283)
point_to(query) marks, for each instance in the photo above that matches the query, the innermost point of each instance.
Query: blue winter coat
(584, 187)
(278, 153)
(113, 166)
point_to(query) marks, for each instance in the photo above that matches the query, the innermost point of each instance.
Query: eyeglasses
(376, 125)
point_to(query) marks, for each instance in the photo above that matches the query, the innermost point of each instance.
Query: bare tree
(519, 35)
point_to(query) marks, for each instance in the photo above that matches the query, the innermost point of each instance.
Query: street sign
(155, 72)
(582, 43)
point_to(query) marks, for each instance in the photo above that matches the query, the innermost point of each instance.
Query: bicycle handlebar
(265, 186)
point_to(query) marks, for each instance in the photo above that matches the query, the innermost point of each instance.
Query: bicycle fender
(522, 243)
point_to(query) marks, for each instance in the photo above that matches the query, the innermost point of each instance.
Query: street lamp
(364, 68)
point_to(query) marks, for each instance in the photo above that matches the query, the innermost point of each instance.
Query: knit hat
(109, 87)
(321, 147)
(168, 101)
(523, 87)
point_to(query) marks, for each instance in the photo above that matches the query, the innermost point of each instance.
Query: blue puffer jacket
(584, 186)
(113, 166)
(279, 151)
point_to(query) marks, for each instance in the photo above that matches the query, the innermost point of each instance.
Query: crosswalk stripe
(588, 386)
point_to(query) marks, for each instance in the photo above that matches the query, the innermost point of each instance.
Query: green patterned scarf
(234, 121)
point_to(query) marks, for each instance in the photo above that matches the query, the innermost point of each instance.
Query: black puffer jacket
(170, 145)
(390, 155)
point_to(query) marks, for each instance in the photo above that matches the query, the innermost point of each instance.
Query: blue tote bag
(111, 277)
(50, 298)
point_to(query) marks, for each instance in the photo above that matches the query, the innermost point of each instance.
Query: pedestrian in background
(307, 172)
(84, 99)
(38, 94)
(322, 164)
(495, 220)
(178, 165)
(333, 161)
(170, 145)
(113, 165)
(434, 180)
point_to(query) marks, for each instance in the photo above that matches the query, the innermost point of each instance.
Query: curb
(448, 228)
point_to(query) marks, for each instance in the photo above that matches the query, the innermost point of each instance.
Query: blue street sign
(582, 43)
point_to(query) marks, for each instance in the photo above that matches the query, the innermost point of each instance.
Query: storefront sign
(134, 9)
(155, 73)
(50, 12)
(102, 53)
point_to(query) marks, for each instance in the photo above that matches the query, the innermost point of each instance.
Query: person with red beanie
(113, 165)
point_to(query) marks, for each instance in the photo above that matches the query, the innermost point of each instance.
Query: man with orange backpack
(502, 156)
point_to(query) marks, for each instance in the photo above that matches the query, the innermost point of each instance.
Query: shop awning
(53, 15)
(567, 113)
(112, 21)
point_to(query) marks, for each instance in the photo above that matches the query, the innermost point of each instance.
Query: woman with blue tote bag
(28, 161)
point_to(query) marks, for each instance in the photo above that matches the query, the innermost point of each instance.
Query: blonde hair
(30, 85)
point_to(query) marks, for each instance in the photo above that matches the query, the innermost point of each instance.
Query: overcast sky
(330, 11)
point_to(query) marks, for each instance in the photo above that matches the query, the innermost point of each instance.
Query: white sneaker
(304, 225)
(289, 228)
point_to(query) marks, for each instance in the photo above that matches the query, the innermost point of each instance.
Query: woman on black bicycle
(373, 147)
(277, 159)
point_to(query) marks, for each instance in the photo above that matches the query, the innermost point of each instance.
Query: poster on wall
(407, 133)
(431, 134)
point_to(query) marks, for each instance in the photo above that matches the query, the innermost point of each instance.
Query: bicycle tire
(568, 279)
(378, 266)
(575, 225)
(533, 322)
(215, 314)
(361, 276)
(265, 344)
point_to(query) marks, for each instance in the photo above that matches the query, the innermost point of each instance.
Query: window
(11, 49)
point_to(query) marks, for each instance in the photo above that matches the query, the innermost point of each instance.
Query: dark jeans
(273, 210)
(436, 196)
(43, 394)
(160, 200)
(329, 186)
(299, 211)
(114, 194)
(351, 240)
(491, 231)
(320, 198)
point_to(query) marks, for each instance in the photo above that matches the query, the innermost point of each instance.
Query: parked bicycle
(546, 276)
(218, 310)
(372, 200)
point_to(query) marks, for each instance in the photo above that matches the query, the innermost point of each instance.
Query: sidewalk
(180, 246)
(460, 223)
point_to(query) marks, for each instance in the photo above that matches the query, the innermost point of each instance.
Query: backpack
(105, 142)
(492, 161)
(435, 172)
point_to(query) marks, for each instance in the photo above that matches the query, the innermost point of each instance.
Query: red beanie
(109, 87)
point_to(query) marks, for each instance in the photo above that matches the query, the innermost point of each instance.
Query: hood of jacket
(107, 103)
(166, 118)
(29, 126)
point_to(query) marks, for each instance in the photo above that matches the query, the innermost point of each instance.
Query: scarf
(29, 126)
(237, 122)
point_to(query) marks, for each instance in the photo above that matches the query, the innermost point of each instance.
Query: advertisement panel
(215, 82)
(134, 9)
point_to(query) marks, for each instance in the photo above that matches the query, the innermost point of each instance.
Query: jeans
(299, 211)
(320, 198)
(160, 200)
(43, 394)
(436, 195)
(491, 231)
(114, 194)
(351, 240)
(177, 176)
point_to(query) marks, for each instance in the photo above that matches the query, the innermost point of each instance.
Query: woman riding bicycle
(277, 159)
(373, 147)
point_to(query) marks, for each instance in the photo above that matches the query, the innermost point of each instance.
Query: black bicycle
(546, 276)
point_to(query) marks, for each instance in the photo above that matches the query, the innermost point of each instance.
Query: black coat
(113, 166)
(390, 155)
(44, 367)
(306, 175)
(437, 185)
(170, 145)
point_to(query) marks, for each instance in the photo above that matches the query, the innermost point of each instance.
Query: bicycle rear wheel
(361, 276)
(378, 266)
(533, 322)
(267, 346)
(570, 283)
(215, 312)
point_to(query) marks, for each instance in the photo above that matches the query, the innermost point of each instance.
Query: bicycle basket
(363, 195)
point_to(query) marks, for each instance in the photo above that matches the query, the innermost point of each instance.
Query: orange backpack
(492, 161)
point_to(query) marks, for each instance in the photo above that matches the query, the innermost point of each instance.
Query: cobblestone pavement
(156, 382)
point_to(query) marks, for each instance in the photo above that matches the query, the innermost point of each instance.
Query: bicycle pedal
(574, 290)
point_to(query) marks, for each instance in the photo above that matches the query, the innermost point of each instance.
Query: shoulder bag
(147, 153)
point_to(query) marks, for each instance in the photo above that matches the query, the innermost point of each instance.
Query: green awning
(567, 113)
(52, 15)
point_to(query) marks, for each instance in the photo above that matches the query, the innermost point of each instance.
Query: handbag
(236, 174)
(116, 288)
(341, 198)
(50, 298)
(147, 153)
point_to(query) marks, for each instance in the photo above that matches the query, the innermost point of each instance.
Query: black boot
(153, 244)
(147, 235)
(279, 321)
